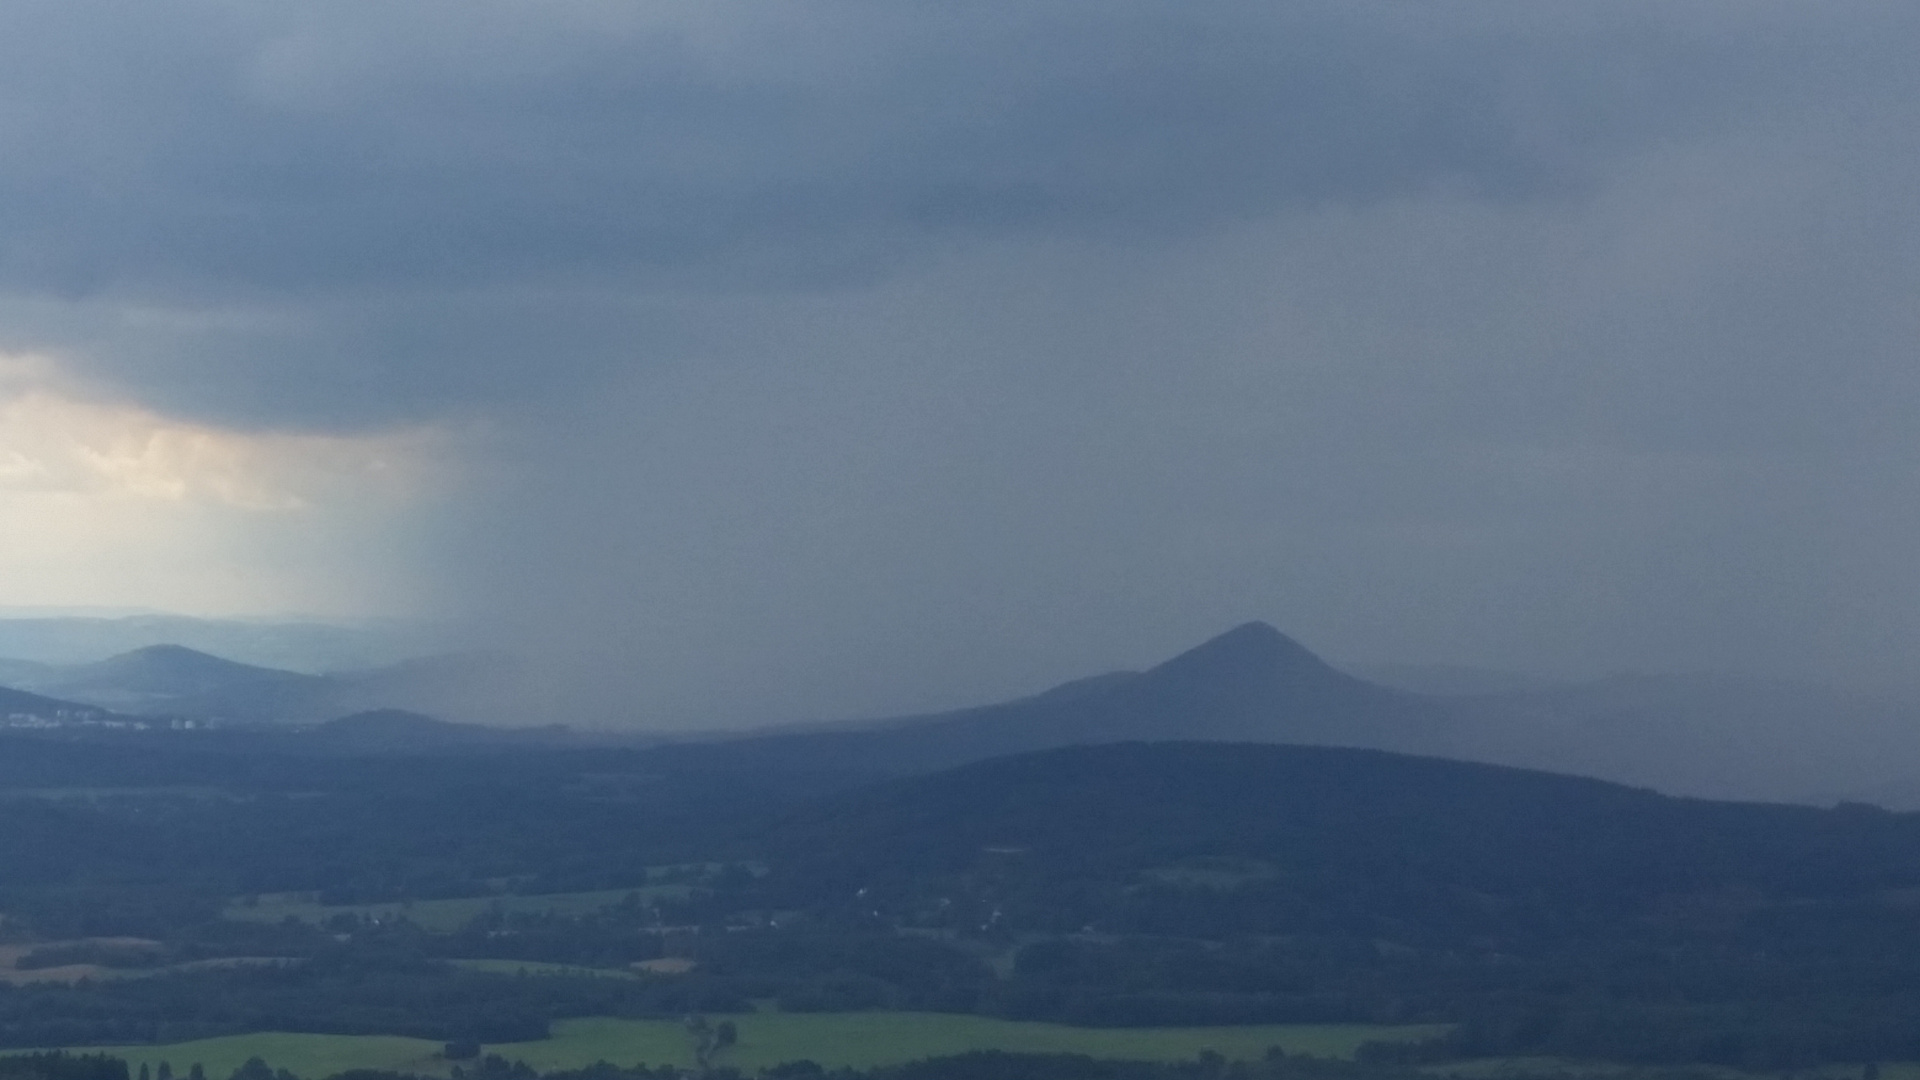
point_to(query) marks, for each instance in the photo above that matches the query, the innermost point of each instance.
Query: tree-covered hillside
(226, 882)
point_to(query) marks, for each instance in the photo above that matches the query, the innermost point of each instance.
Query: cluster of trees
(58, 1066)
(357, 998)
(150, 836)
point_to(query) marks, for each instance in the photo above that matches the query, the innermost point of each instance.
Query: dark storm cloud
(428, 203)
(840, 357)
(345, 145)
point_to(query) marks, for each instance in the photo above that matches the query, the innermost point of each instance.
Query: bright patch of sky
(109, 503)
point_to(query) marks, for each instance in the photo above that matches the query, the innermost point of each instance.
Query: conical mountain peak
(1250, 684)
(1253, 648)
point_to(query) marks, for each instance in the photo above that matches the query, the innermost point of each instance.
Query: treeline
(426, 1001)
(58, 1066)
(1651, 1008)
(976, 1065)
(151, 836)
(1752, 1003)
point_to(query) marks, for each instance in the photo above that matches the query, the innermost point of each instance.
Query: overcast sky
(760, 361)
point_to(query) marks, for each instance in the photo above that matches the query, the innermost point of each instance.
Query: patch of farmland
(538, 967)
(14, 956)
(666, 965)
(1219, 874)
(443, 916)
(1533, 1068)
(311, 1057)
(858, 1040)
(865, 1039)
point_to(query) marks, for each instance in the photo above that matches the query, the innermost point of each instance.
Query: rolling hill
(301, 646)
(1692, 735)
(1252, 683)
(1325, 836)
(172, 680)
(175, 681)
(18, 708)
(1546, 914)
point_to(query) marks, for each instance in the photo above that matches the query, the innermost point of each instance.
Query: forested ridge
(1120, 885)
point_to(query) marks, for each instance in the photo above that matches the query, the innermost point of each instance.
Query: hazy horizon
(310, 645)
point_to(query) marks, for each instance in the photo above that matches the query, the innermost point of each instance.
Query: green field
(863, 1039)
(1534, 1068)
(442, 916)
(537, 967)
(830, 1039)
(311, 1056)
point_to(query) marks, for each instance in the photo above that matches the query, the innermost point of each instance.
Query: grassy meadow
(541, 967)
(831, 1039)
(309, 1056)
(1534, 1068)
(441, 916)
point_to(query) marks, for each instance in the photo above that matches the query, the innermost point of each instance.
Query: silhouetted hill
(1692, 735)
(173, 669)
(1252, 683)
(297, 646)
(172, 680)
(175, 681)
(18, 708)
(1321, 837)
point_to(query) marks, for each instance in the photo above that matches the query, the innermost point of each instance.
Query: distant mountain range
(293, 645)
(1699, 736)
(177, 682)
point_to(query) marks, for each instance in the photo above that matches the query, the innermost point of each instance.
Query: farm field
(863, 1039)
(830, 1039)
(443, 916)
(309, 1056)
(1532, 1068)
(538, 967)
